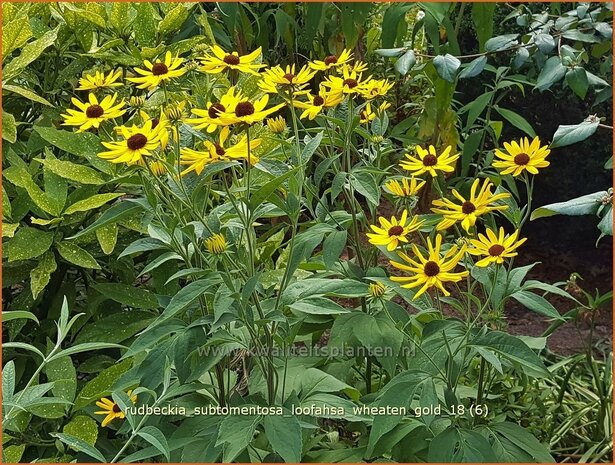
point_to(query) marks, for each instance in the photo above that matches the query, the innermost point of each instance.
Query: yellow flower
(367, 114)
(158, 168)
(160, 124)
(276, 125)
(377, 289)
(136, 101)
(316, 103)
(241, 110)
(209, 118)
(332, 61)
(216, 244)
(218, 60)
(197, 160)
(138, 142)
(468, 210)
(358, 66)
(285, 78)
(349, 83)
(522, 156)
(494, 247)
(408, 186)
(375, 88)
(93, 113)
(429, 161)
(158, 72)
(430, 271)
(111, 410)
(98, 80)
(391, 233)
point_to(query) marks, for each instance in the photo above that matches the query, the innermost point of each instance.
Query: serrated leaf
(95, 201)
(41, 274)
(29, 243)
(284, 435)
(74, 254)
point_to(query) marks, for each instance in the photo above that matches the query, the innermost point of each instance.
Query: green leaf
(577, 80)
(107, 237)
(456, 445)
(9, 129)
(26, 93)
(15, 34)
(318, 306)
(29, 243)
(116, 327)
(447, 66)
(72, 171)
(482, 16)
(405, 62)
(284, 435)
(235, 434)
(333, 246)
(475, 67)
(584, 205)
(552, 72)
(390, 52)
(115, 213)
(173, 20)
(82, 427)
(85, 347)
(21, 178)
(266, 190)
(502, 42)
(13, 453)
(101, 385)
(606, 224)
(144, 25)
(571, 134)
(314, 381)
(544, 42)
(393, 16)
(17, 314)
(95, 201)
(155, 437)
(311, 144)
(516, 120)
(29, 53)
(537, 304)
(61, 372)
(74, 254)
(517, 443)
(513, 349)
(365, 184)
(127, 295)
(41, 274)
(80, 445)
(9, 229)
(8, 376)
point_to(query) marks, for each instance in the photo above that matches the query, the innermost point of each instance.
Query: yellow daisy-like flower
(332, 61)
(277, 78)
(495, 248)
(197, 160)
(367, 114)
(136, 101)
(98, 80)
(317, 103)
(429, 161)
(93, 113)
(209, 118)
(218, 60)
(242, 110)
(375, 88)
(349, 83)
(139, 142)
(408, 186)
(358, 66)
(522, 156)
(391, 233)
(111, 410)
(276, 125)
(468, 210)
(430, 271)
(377, 289)
(216, 244)
(158, 72)
(158, 168)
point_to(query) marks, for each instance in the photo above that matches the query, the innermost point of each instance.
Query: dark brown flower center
(244, 109)
(94, 111)
(159, 69)
(430, 160)
(116, 408)
(220, 150)
(231, 59)
(496, 250)
(364, 114)
(215, 110)
(522, 159)
(155, 122)
(330, 60)
(431, 268)
(136, 142)
(396, 231)
(351, 83)
(319, 101)
(468, 207)
(289, 77)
